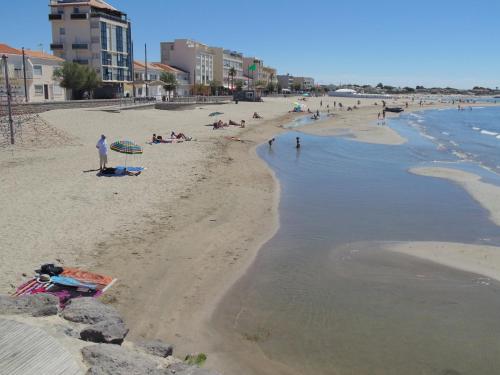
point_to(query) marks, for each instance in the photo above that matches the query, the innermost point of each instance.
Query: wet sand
(195, 219)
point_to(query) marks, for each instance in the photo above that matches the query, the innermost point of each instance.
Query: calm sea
(324, 297)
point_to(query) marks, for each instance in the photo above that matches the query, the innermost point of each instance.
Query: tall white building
(190, 56)
(92, 32)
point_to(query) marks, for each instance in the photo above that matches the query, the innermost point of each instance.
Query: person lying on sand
(256, 115)
(119, 171)
(179, 136)
(231, 122)
(157, 139)
(219, 125)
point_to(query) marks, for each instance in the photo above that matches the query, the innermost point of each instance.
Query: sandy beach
(178, 236)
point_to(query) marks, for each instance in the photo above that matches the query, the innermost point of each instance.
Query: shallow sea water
(324, 297)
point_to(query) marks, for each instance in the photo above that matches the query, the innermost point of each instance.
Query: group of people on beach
(173, 135)
(220, 124)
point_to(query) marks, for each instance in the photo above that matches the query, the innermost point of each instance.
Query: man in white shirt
(102, 146)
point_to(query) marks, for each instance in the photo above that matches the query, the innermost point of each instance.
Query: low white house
(183, 86)
(40, 83)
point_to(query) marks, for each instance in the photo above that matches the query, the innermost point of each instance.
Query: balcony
(78, 16)
(54, 46)
(80, 46)
(53, 17)
(122, 19)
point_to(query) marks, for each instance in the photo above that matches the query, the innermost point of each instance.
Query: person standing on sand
(102, 147)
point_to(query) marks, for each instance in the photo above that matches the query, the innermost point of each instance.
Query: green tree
(170, 82)
(232, 73)
(215, 87)
(271, 87)
(239, 85)
(380, 85)
(77, 78)
(296, 87)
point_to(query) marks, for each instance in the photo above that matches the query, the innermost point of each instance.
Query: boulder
(185, 369)
(155, 347)
(41, 304)
(108, 331)
(106, 325)
(89, 310)
(106, 359)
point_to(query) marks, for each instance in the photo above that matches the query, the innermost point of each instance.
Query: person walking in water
(102, 147)
(271, 142)
(298, 142)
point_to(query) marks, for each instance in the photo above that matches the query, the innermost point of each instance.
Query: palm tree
(170, 82)
(232, 73)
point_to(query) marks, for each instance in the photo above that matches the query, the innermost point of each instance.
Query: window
(104, 38)
(62, 31)
(38, 89)
(57, 89)
(106, 58)
(76, 10)
(37, 70)
(119, 38)
(119, 75)
(106, 74)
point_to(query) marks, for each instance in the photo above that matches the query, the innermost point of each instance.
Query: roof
(95, 3)
(4, 48)
(142, 65)
(168, 68)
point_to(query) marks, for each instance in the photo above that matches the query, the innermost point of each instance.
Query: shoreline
(210, 206)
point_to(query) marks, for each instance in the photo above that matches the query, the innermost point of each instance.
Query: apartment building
(224, 61)
(190, 56)
(257, 75)
(269, 75)
(305, 83)
(285, 82)
(40, 66)
(92, 32)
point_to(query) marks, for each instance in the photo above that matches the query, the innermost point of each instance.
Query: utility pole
(24, 74)
(146, 68)
(9, 99)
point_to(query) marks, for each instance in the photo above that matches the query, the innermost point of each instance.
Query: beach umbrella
(126, 147)
(215, 114)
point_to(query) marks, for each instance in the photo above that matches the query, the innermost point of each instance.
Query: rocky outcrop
(88, 319)
(116, 360)
(155, 347)
(105, 324)
(35, 305)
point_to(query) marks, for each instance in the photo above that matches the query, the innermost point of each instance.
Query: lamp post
(9, 99)
(146, 69)
(24, 75)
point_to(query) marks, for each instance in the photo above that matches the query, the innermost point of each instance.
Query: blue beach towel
(130, 169)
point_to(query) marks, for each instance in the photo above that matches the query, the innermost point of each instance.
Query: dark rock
(89, 310)
(41, 304)
(155, 347)
(115, 360)
(185, 369)
(45, 311)
(109, 331)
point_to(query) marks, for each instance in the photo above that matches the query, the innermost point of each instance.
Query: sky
(399, 43)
